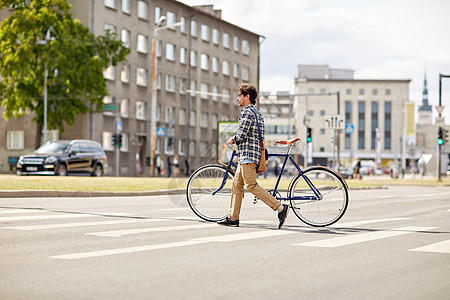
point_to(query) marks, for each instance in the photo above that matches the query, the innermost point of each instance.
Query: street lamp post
(154, 99)
(45, 42)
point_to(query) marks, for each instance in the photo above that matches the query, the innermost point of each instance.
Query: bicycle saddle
(287, 142)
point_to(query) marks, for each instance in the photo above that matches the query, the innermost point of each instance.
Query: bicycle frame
(286, 156)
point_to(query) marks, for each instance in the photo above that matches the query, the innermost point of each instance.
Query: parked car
(346, 173)
(64, 157)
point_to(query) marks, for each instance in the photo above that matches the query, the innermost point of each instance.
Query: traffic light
(441, 138)
(119, 139)
(308, 135)
(114, 140)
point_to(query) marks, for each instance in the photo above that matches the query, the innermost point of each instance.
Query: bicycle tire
(199, 192)
(330, 208)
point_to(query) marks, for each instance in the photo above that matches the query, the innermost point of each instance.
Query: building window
(215, 36)
(245, 73)
(141, 77)
(142, 43)
(158, 81)
(170, 52)
(182, 55)
(183, 85)
(203, 149)
(204, 120)
(204, 61)
(169, 114)
(126, 6)
(215, 92)
(204, 91)
(107, 141)
(236, 70)
(124, 107)
(388, 92)
(125, 37)
(226, 95)
(374, 123)
(361, 91)
(142, 10)
(170, 83)
(171, 19)
(111, 28)
(374, 92)
(183, 26)
(158, 48)
(204, 31)
(348, 120)
(193, 28)
(125, 74)
(157, 14)
(245, 47)
(236, 44)
(15, 140)
(361, 124)
(348, 91)
(181, 147)
(110, 3)
(182, 117)
(226, 40)
(193, 118)
(192, 148)
(387, 125)
(140, 110)
(215, 65)
(193, 58)
(214, 121)
(110, 73)
(226, 68)
(193, 88)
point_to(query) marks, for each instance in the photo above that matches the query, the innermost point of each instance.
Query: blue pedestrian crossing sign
(349, 128)
(161, 131)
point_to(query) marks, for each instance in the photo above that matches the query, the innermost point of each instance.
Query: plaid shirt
(247, 136)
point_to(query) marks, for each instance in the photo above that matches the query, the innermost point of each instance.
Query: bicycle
(318, 195)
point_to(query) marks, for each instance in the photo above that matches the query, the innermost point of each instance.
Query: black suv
(62, 157)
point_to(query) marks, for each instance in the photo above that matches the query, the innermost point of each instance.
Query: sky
(382, 39)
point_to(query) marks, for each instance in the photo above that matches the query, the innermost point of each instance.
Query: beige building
(366, 106)
(200, 62)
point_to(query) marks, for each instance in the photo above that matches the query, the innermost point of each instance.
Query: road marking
(359, 223)
(120, 233)
(363, 237)
(60, 216)
(441, 247)
(20, 211)
(79, 224)
(127, 250)
(221, 238)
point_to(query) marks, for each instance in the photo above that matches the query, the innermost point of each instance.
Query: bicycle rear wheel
(202, 193)
(331, 205)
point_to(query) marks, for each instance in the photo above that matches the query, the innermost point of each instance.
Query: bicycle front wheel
(208, 192)
(331, 203)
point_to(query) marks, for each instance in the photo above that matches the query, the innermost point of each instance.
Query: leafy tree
(74, 57)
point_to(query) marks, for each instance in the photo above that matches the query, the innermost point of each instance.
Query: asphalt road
(392, 244)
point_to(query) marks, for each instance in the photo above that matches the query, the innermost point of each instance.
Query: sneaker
(282, 215)
(228, 222)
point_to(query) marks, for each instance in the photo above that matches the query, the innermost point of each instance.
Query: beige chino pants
(246, 175)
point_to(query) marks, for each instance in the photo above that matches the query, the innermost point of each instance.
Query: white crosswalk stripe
(60, 216)
(21, 211)
(120, 233)
(364, 222)
(363, 237)
(440, 247)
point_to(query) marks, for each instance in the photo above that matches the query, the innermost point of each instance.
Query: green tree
(74, 57)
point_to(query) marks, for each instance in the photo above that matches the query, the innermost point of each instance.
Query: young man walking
(247, 141)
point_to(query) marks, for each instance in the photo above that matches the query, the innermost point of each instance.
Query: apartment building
(200, 61)
(372, 111)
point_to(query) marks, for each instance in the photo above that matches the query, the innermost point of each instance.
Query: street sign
(118, 126)
(333, 122)
(111, 107)
(349, 128)
(161, 131)
(440, 108)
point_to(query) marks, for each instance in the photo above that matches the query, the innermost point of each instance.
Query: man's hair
(245, 89)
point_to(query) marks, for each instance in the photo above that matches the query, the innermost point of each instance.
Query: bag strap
(261, 141)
